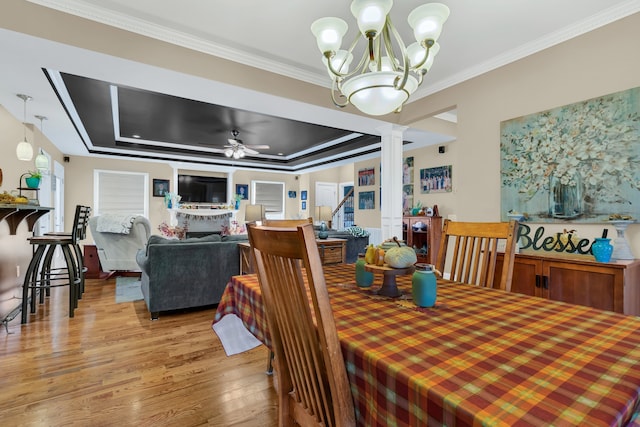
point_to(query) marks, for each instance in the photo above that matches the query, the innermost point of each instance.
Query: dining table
(479, 357)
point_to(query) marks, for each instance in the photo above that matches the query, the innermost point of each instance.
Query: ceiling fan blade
(249, 150)
(234, 142)
(258, 147)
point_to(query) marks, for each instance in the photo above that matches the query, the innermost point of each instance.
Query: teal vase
(602, 249)
(424, 286)
(364, 278)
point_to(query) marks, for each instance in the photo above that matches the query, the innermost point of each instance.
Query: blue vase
(602, 249)
(364, 278)
(424, 286)
(237, 204)
(32, 182)
(324, 231)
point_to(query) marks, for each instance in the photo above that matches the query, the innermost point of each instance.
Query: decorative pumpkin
(400, 256)
(380, 254)
(370, 255)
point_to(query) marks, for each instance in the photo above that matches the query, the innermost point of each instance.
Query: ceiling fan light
(427, 21)
(236, 155)
(329, 32)
(371, 14)
(228, 152)
(374, 93)
(24, 151)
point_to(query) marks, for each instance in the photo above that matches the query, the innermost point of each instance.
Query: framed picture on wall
(160, 186)
(304, 206)
(243, 191)
(303, 195)
(366, 200)
(436, 180)
(366, 177)
(292, 194)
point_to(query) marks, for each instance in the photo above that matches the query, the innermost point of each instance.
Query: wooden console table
(14, 214)
(332, 251)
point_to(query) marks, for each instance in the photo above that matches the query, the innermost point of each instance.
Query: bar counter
(15, 213)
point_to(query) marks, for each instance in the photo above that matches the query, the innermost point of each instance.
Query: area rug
(128, 289)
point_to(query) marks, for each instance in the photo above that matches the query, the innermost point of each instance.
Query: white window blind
(121, 193)
(271, 195)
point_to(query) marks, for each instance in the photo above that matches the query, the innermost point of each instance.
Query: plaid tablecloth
(480, 357)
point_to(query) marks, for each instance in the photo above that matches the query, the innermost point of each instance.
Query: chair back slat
(473, 247)
(313, 387)
(80, 221)
(286, 222)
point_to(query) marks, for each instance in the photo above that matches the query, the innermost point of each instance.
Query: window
(271, 195)
(120, 192)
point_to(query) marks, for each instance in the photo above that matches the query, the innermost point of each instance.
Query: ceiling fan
(237, 149)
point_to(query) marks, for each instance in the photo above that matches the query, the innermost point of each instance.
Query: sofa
(178, 274)
(117, 248)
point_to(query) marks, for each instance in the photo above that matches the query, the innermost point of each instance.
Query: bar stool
(40, 274)
(81, 229)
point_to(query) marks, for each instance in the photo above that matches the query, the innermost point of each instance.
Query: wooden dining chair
(313, 388)
(286, 222)
(473, 247)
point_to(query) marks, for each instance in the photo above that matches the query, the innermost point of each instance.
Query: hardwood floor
(111, 365)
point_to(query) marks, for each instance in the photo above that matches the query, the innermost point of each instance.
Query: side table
(92, 263)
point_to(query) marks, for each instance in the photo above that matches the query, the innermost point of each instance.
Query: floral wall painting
(579, 162)
(366, 200)
(436, 180)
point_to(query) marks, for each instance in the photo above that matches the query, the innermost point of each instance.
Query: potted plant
(33, 179)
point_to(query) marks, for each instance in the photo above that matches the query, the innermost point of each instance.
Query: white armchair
(117, 251)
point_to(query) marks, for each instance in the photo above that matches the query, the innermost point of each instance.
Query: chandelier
(237, 152)
(388, 72)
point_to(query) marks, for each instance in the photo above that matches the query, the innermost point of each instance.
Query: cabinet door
(595, 286)
(527, 277)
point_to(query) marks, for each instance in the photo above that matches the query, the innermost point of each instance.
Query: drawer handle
(538, 278)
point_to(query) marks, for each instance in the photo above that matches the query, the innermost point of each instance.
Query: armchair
(117, 251)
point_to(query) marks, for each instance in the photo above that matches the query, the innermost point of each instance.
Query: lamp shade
(339, 62)
(416, 54)
(254, 213)
(329, 32)
(371, 14)
(323, 213)
(24, 151)
(427, 21)
(374, 93)
(42, 162)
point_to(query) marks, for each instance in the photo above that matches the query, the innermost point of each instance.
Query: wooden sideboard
(428, 239)
(578, 279)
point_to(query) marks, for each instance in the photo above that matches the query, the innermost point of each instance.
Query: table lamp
(323, 214)
(254, 213)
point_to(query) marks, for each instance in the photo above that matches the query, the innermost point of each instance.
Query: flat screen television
(202, 189)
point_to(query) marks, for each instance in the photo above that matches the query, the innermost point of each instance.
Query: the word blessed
(551, 243)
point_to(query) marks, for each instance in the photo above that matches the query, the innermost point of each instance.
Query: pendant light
(24, 150)
(42, 162)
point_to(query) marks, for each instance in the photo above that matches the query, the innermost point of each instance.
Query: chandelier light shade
(41, 162)
(388, 72)
(24, 150)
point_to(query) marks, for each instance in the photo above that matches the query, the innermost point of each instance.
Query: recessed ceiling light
(280, 154)
(135, 135)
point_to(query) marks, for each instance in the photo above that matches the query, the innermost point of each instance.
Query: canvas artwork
(436, 180)
(407, 183)
(367, 176)
(366, 200)
(579, 162)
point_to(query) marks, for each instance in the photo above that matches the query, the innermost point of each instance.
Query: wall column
(391, 180)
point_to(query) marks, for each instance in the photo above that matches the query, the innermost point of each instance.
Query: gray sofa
(178, 274)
